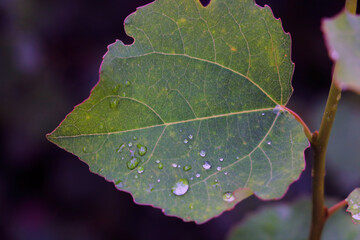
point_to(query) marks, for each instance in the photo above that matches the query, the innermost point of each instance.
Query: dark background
(50, 53)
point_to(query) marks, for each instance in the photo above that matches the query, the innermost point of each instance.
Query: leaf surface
(292, 221)
(189, 117)
(342, 35)
(353, 201)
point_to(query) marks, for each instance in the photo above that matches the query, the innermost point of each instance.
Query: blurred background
(50, 53)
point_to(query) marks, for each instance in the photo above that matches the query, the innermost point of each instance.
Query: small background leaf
(354, 205)
(342, 35)
(200, 91)
(284, 222)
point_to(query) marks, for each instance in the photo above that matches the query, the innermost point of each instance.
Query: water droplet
(221, 159)
(226, 173)
(180, 187)
(127, 83)
(191, 206)
(130, 144)
(202, 153)
(191, 178)
(116, 89)
(84, 149)
(197, 175)
(228, 197)
(161, 166)
(114, 102)
(134, 138)
(174, 165)
(121, 148)
(356, 216)
(158, 180)
(218, 168)
(140, 169)
(190, 136)
(262, 114)
(206, 165)
(142, 149)
(216, 184)
(119, 183)
(186, 141)
(157, 161)
(131, 164)
(269, 142)
(150, 188)
(179, 166)
(187, 168)
(136, 176)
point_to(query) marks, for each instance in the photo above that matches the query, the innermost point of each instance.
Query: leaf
(353, 201)
(292, 221)
(187, 118)
(342, 35)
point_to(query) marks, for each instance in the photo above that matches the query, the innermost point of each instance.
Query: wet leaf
(196, 103)
(342, 35)
(292, 221)
(353, 201)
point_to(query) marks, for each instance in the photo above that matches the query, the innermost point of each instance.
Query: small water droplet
(130, 144)
(226, 173)
(187, 168)
(191, 178)
(269, 142)
(140, 169)
(161, 166)
(206, 165)
(218, 168)
(191, 206)
(180, 187)
(174, 165)
(197, 175)
(190, 136)
(356, 216)
(157, 161)
(116, 89)
(262, 114)
(237, 158)
(142, 149)
(158, 180)
(202, 153)
(127, 83)
(228, 197)
(84, 149)
(121, 148)
(179, 166)
(134, 138)
(133, 163)
(114, 102)
(221, 159)
(186, 141)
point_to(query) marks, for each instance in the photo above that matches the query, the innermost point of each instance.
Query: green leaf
(342, 35)
(292, 221)
(353, 201)
(201, 90)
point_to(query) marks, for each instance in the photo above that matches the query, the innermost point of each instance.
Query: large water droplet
(142, 149)
(202, 153)
(131, 164)
(180, 187)
(187, 168)
(356, 216)
(228, 197)
(114, 102)
(141, 169)
(121, 148)
(206, 165)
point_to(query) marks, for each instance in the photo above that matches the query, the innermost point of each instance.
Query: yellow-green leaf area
(198, 101)
(353, 201)
(342, 34)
